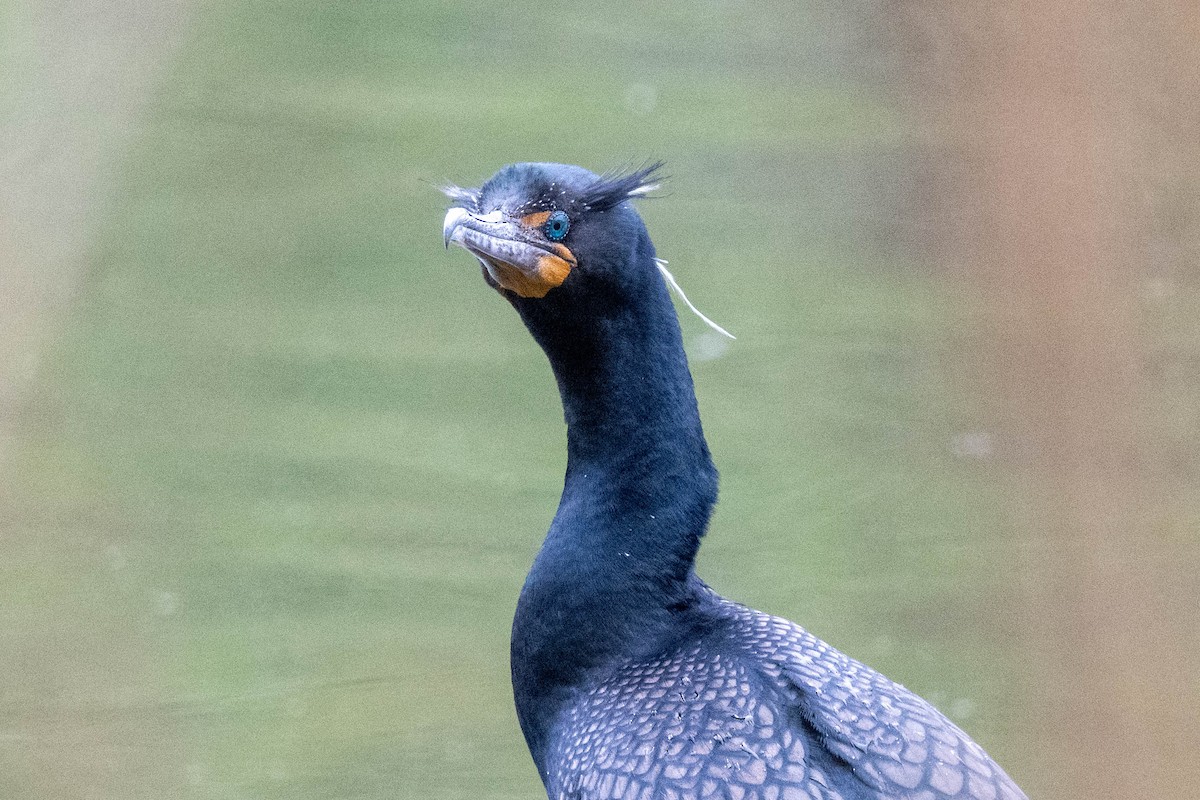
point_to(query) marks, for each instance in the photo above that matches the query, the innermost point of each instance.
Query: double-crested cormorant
(632, 678)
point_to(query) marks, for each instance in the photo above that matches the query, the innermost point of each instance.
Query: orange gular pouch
(546, 273)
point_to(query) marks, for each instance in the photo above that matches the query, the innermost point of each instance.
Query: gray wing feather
(765, 711)
(892, 740)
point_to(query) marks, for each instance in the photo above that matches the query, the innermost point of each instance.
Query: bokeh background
(273, 464)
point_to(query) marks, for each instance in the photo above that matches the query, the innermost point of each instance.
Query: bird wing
(891, 740)
(762, 710)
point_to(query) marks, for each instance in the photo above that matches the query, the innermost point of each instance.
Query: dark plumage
(632, 678)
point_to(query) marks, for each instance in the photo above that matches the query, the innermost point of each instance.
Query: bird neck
(640, 483)
(616, 568)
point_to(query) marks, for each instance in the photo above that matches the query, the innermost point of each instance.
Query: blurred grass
(288, 464)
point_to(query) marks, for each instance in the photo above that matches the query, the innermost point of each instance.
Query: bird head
(538, 229)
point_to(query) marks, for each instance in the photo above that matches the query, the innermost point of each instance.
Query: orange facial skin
(535, 220)
(550, 271)
(517, 256)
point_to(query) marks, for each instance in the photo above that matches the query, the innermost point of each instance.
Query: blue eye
(557, 225)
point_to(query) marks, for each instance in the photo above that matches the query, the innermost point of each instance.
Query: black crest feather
(615, 187)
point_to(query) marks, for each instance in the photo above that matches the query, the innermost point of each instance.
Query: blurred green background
(275, 463)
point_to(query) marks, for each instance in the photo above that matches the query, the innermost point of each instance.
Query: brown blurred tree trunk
(1062, 181)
